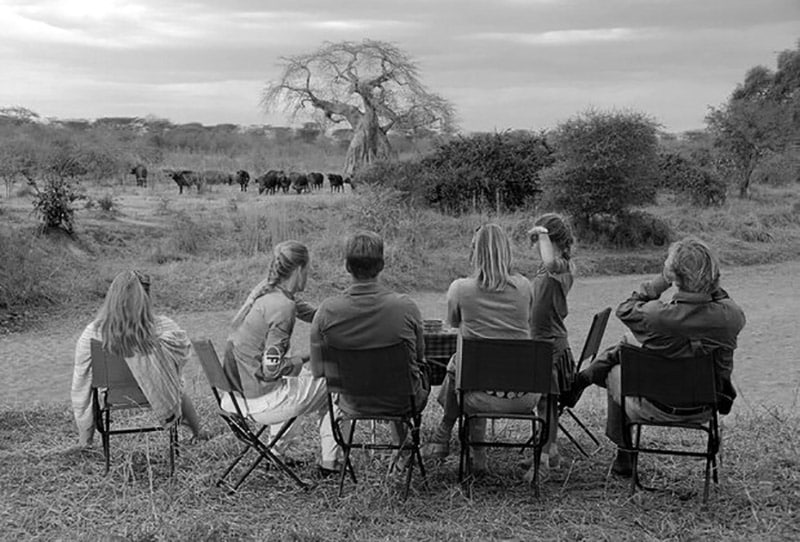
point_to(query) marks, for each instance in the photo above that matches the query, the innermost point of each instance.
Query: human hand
(535, 232)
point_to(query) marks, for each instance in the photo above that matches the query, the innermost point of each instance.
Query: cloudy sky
(503, 63)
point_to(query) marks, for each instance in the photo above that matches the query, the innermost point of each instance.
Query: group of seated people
(494, 302)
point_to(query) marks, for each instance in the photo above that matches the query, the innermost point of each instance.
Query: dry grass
(206, 251)
(53, 491)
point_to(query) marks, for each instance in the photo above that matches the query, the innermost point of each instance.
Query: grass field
(205, 251)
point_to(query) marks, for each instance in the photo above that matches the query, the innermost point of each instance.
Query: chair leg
(635, 461)
(173, 448)
(537, 460)
(572, 440)
(239, 458)
(347, 449)
(585, 429)
(105, 437)
(707, 481)
(462, 449)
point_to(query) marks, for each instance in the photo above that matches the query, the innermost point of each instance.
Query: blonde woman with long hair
(154, 347)
(276, 385)
(494, 302)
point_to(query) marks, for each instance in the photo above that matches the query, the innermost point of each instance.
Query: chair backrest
(505, 365)
(211, 365)
(595, 337)
(681, 382)
(374, 372)
(110, 371)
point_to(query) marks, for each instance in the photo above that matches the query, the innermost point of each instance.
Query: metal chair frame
(680, 383)
(239, 424)
(505, 366)
(590, 348)
(377, 372)
(114, 388)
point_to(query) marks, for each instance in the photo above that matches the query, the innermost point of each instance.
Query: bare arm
(453, 310)
(305, 311)
(546, 249)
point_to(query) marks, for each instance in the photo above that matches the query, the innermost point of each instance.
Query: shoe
(478, 462)
(570, 398)
(201, 436)
(623, 464)
(439, 445)
(552, 461)
(326, 470)
(436, 450)
(544, 470)
(287, 460)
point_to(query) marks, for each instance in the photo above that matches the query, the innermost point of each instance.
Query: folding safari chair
(683, 386)
(114, 389)
(376, 372)
(505, 366)
(238, 422)
(589, 352)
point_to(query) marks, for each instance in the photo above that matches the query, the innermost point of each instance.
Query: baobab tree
(373, 85)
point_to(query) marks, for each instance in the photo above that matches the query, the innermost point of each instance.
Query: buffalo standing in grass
(270, 181)
(243, 179)
(285, 183)
(336, 181)
(316, 180)
(141, 174)
(298, 182)
(185, 178)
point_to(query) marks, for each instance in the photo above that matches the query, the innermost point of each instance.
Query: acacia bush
(605, 163)
(700, 185)
(475, 173)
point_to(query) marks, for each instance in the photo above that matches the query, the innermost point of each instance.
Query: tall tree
(762, 116)
(373, 86)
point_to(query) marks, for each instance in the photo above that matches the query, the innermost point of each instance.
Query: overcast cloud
(503, 63)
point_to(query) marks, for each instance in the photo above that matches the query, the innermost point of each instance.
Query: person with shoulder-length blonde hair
(154, 347)
(275, 384)
(494, 302)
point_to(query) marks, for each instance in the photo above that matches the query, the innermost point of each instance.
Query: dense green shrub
(626, 230)
(700, 185)
(475, 173)
(52, 203)
(479, 171)
(606, 162)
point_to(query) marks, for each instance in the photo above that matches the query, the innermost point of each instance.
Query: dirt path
(37, 366)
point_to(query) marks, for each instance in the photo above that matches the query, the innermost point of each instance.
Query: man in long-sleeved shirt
(370, 315)
(699, 318)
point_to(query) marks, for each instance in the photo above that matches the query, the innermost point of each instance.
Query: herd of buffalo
(270, 182)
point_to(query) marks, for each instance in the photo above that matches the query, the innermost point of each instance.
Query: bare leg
(190, 418)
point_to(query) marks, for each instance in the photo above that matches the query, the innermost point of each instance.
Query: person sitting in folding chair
(493, 303)
(153, 346)
(699, 318)
(277, 386)
(369, 315)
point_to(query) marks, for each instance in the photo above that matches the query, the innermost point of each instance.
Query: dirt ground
(36, 366)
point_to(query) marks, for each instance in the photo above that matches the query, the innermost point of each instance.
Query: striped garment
(158, 376)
